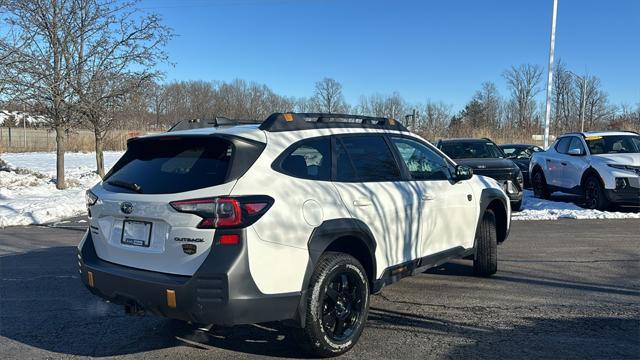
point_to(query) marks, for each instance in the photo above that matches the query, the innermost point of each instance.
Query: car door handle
(362, 202)
(428, 196)
(564, 163)
(548, 160)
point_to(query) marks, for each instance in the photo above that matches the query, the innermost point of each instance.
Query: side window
(365, 158)
(311, 159)
(576, 143)
(422, 162)
(563, 145)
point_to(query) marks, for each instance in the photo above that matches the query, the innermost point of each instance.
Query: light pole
(583, 98)
(547, 113)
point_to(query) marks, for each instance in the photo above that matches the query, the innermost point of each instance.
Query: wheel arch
(494, 200)
(534, 169)
(349, 236)
(591, 171)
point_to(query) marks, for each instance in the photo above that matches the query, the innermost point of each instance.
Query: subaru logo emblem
(126, 207)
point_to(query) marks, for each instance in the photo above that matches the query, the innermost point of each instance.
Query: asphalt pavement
(564, 289)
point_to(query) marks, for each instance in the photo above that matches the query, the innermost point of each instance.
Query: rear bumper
(221, 292)
(628, 196)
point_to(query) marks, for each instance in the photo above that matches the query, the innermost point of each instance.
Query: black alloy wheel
(342, 305)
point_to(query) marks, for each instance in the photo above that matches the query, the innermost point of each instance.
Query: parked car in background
(486, 158)
(603, 166)
(521, 154)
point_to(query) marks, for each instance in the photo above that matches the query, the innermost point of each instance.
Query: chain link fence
(38, 139)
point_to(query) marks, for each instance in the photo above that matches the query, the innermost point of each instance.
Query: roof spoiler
(217, 122)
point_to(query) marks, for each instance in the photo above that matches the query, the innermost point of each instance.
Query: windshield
(520, 152)
(472, 150)
(613, 144)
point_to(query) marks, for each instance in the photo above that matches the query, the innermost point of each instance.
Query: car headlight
(631, 168)
(621, 167)
(90, 198)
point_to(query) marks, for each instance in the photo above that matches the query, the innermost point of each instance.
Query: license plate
(136, 233)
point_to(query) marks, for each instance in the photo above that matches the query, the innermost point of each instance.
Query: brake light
(225, 212)
(229, 239)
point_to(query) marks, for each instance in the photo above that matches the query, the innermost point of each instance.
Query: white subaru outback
(603, 166)
(298, 219)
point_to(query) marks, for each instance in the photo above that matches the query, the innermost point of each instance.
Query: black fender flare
(487, 196)
(322, 237)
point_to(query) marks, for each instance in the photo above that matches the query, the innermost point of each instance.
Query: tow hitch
(133, 309)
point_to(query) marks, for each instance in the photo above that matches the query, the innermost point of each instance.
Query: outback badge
(189, 249)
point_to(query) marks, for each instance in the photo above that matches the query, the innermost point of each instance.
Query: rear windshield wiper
(127, 185)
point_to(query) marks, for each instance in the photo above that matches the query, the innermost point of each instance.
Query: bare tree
(328, 96)
(434, 120)
(523, 82)
(157, 101)
(114, 52)
(40, 32)
(564, 104)
(489, 107)
(391, 106)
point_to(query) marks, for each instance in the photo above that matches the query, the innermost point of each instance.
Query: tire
(485, 262)
(338, 294)
(539, 185)
(516, 206)
(594, 197)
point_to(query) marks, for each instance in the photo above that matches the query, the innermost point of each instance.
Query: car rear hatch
(134, 221)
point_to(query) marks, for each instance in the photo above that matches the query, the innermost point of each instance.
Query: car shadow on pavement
(44, 305)
(532, 338)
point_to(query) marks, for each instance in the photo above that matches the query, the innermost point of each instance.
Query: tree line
(93, 64)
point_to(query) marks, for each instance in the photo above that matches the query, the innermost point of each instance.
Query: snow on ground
(28, 193)
(540, 209)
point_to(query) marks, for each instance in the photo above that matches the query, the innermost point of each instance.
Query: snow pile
(28, 193)
(540, 209)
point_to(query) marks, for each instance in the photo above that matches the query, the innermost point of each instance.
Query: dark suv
(486, 158)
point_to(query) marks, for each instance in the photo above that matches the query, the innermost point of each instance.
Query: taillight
(225, 212)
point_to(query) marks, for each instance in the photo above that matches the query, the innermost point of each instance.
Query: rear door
(368, 179)
(447, 212)
(133, 223)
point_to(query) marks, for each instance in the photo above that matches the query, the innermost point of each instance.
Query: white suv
(603, 166)
(298, 219)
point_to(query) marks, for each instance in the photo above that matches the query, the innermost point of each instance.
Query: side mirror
(462, 172)
(575, 152)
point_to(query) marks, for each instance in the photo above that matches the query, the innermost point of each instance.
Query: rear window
(311, 159)
(171, 165)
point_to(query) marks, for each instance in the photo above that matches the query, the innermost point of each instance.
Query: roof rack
(218, 121)
(304, 121)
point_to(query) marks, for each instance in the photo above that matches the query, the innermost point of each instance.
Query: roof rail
(304, 121)
(218, 121)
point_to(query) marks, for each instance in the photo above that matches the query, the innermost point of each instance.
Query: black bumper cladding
(628, 196)
(221, 292)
